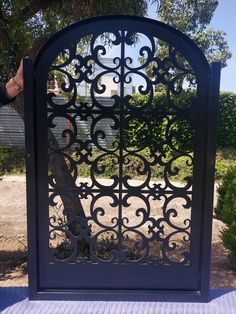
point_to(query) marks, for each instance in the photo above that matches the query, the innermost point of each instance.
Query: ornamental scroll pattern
(134, 216)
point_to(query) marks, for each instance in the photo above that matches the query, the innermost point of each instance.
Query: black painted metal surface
(138, 232)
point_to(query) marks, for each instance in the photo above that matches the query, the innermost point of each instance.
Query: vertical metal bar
(122, 77)
(209, 175)
(29, 111)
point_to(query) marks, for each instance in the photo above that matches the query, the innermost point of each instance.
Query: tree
(24, 27)
(192, 18)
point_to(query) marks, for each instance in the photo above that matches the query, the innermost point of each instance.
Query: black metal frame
(35, 76)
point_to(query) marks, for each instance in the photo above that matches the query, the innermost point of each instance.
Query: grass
(12, 161)
(224, 159)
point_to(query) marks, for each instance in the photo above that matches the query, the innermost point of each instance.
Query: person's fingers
(19, 75)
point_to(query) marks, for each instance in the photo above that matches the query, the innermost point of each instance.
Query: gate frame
(35, 292)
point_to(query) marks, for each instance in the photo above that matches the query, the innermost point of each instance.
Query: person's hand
(19, 76)
(16, 84)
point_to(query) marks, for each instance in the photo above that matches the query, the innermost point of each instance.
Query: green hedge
(150, 131)
(226, 204)
(226, 128)
(226, 211)
(139, 130)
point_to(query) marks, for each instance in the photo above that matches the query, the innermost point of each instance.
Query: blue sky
(224, 19)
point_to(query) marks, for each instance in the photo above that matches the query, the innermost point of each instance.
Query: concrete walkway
(15, 301)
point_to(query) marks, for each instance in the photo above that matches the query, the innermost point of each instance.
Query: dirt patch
(13, 268)
(13, 254)
(222, 274)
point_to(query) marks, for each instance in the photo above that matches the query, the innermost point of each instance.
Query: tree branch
(1, 13)
(76, 9)
(38, 43)
(35, 7)
(5, 39)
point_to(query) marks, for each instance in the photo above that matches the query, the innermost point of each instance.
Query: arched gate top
(135, 24)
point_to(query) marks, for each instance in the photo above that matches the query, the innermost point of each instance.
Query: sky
(224, 19)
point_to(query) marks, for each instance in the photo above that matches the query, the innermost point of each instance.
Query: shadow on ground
(222, 274)
(13, 262)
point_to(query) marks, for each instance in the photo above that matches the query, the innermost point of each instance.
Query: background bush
(12, 160)
(151, 131)
(226, 211)
(226, 124)
(226, 128)
(225, 158)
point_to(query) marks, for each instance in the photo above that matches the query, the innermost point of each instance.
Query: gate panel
(111, 214)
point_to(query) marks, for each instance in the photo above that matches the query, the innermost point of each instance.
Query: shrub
(229, 239)
(147, 130)
(226, 204)
(12, 160)
(225, 158)
(226, 211)
(226, 126)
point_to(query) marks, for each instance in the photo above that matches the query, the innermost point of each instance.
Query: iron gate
(129, 216)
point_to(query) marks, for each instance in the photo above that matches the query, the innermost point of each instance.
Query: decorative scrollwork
(130, 217)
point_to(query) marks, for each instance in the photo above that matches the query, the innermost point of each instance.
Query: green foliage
(133, 165)
(225, 158)
(188, 15)
(226, 129)
(149, 133)
(226, 205)
(12, 160)
(223, 163)
(26, 25)
(229, 239)
(226, 211)
(192, 17)
(213, 44)
(107, 7)
(139, 130)
(144, 129)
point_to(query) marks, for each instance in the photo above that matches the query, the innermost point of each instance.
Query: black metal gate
(120, 181)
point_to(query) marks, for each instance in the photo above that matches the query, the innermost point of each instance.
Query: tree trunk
(61, 174)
